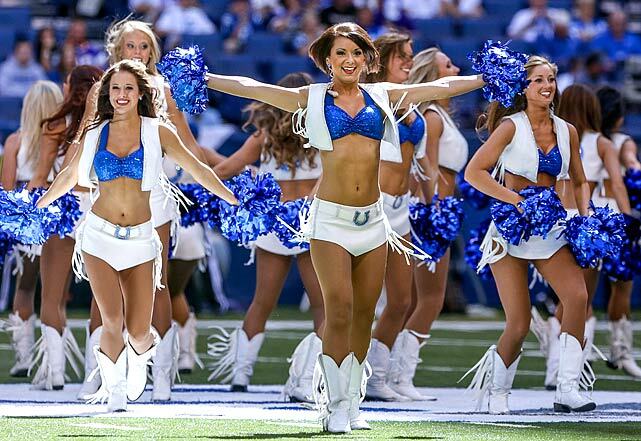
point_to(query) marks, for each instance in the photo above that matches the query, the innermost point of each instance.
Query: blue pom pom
(436, 225)
(258, 200)
(503, 71)
(6, 245)
(632, 180)
(69, 207)
(22, 221)
(471, 195)
(289, 212)
(185, 70)
(205, 207)
(473, 252)
(627, 263)
(541, 210)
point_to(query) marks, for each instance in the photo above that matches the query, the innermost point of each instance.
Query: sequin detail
(412, 133)
(367, 122)
(109, 166)
(550, 163)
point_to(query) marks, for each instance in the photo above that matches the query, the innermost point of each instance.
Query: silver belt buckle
(357, 220)
(119, 235)
(398, 201)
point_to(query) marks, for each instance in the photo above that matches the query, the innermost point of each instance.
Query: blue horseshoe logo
(398, 201)
(357, 216)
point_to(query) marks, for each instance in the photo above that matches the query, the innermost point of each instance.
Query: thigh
(333, 265)
(563, 274)
(368, 271)
(178, 274)
(28, 280)
(163, 232)
(55, 264)
(398, 277)
(271, 273)
(138, 292)
(309, 278)
(105, 286)
(511, 276)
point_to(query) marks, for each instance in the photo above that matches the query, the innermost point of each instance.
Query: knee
(576, 298)
(398, 305)
(138, 335)
(517, 330)
(338, 314)
(112, 324)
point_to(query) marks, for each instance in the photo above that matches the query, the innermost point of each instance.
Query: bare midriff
(291, 190)
(518, 183)
(446, 182)
(395, 176)
(350, 171)
(121, 202)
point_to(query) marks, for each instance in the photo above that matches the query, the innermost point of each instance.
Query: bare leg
(179, 273)
(619, 304)
(26, 288)
(329, 261)
(398, 285)
(138, 291)
(271, 272)
(55, 266)
(162, 301)
(430, 290)
(510, 274)
(310, 281)
(94, 316)
(567, 280)
(106, 290)
(367, 280)
(591, 277)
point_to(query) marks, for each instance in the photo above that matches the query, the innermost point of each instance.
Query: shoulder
(574, 135)
(603, 141)
(12, 144)
(433, 118)
(506, 129)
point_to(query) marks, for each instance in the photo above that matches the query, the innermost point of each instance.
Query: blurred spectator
(585, 25)
(565, 79)
(616, 42)
(86, 51)
(366, 19)
(149, 10)
(47, 52)
(562, 47)
(66, 64)
(632, 8)
(263, 12)
(594, 73)
(413, 9)
(463, 8)
(534, 22)
(236, 26)
(340, 11)
(20, 70)
(288, 17)
(185, 17)
(310, 29)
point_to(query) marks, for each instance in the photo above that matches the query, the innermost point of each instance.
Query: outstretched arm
(205, 176)
(485, 158)
(442, 88)
(64, 182)
(247, 154)
(285, 98)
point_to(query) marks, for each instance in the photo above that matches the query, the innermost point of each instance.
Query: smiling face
(346, 60)
(124, 93)
(136, 46)
(400, 64)
(542, 86)
(445, 66)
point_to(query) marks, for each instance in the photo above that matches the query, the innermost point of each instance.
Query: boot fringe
(223, 351)
(320, 394)
(539, 328)
(43, 376)
(73, 354)
(482, 380)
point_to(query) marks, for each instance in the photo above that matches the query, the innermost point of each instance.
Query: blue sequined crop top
(550, 163)
(367, 122)
(109, 166)
(412, 133)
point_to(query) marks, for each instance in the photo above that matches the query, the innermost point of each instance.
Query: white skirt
(271, 243)
(163, 207)
(190, 244)
(84, 198)
(397, 210)
(602, 201)
(120, 247)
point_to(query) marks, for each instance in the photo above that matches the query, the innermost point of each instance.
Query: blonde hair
(41, 101)
(114, 41)
(424, 70)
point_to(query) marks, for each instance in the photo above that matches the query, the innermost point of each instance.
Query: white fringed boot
(234, 357)
(331, 393)
(298, 387)
(571, 363)
(378, 357)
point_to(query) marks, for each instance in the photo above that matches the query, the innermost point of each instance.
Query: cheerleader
(396, 61)
(122, 154)
(531, 146)
(580, 107)
(612, 113)
(21, 158)
(347, 228)
(297, 170)
(446, 147)
(135, 40)
(55, 261)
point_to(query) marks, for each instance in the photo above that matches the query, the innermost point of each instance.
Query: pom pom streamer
(436, 225)
(473, 252)
(627, 263)
(288, 215)
(632, 180)
(503, 71)
(540, 211)
(204, 208)
(185, 71)
(26, 224)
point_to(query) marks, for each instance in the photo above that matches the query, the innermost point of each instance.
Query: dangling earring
(330, 71)
(552, 109)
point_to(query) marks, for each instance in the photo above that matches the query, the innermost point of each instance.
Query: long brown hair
(320, 49)
(81, 79)
(387, 46)
(281, 142)
(580, 107)
(495, 113)
(147, 105)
